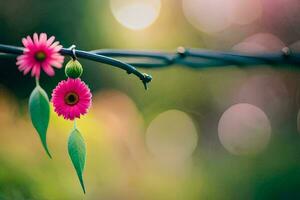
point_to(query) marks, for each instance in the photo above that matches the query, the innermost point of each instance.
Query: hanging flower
(71, 98)
(40, 53)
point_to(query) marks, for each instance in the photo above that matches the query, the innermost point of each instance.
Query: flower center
(40, 56)
(71, 98)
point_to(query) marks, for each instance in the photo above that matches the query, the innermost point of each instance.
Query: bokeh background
(218, 133)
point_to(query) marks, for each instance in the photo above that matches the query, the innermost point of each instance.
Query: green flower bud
(73, 69)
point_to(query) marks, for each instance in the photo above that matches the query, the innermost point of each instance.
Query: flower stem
(37, 81)
(75, 126)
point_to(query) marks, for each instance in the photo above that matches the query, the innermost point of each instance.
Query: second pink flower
(71, 98)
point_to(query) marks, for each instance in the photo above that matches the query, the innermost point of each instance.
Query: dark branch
(145, 78)
(196, 58)
(193, 58)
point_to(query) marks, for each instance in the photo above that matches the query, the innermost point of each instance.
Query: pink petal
(25, 42)
(36, 39)
(48, 69)
(56, 64)
(27, 69)
(50, 41)
(36, 70)
(54, 45)
(43, 38)
(57, 48)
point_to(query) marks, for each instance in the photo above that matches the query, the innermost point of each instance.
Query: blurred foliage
(119, 164)
(15, 184)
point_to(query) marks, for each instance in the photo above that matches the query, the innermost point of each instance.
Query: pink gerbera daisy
(71, 98)
(40, 53)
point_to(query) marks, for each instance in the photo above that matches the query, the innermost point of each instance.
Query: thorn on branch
(181, 51)
(146, 79)
(286, 51)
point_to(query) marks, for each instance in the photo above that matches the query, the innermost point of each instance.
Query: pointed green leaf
(39, 110)
(77, 152)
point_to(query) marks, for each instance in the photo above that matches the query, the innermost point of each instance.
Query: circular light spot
(121, 122)
(135, 14)
(246, 11)
(268, 92)
(172, 136)
(248, 47)
(272, 42)
(118, 114)
(260, 43)
(244, 129)
(282, 17)
(210, 16)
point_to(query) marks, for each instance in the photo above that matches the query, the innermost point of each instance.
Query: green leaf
(39, 110)
(77, 152)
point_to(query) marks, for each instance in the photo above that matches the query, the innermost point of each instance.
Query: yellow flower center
(71, 98)
(40, 56)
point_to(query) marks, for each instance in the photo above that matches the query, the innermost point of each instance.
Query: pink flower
(40, 53)
(71, 98)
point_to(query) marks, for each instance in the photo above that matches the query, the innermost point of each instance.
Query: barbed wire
(130, 60)
(197, 58)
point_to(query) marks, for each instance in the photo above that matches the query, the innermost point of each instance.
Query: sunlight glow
(136, 15)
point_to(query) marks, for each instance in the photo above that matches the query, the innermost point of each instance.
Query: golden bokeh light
(135, 14)
(172, 136)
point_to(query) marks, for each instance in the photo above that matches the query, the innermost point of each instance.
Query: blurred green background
(218, 133)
